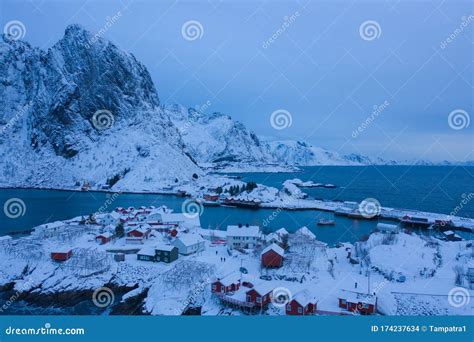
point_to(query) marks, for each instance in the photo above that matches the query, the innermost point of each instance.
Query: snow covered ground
(409, 274)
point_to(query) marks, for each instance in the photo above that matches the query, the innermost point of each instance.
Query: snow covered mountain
(217, 138)
(84, 111)
(293, 152)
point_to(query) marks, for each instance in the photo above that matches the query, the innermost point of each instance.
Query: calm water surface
(435, 189)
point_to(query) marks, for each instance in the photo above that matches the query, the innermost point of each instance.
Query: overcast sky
(312, 59)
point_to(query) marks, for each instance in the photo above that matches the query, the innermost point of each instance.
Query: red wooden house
(362, 303)
(61, 254)
(272, 256)
(302, 304)
(230, 283)
(260, 294)
(104, 238)
(140, 232)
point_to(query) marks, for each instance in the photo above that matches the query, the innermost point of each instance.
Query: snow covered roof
(274, 247)
(230, 279)
(282, 231)
(106, 235)
(190, 239)
(180, 218)
(163, 247)
(148, 251)
(304, 298)
(448, 232)
(305, 231)
(358, 297)
(272, 237)
(61, 250)
(250, 231)
(140, 229)
(212, 233)
(263, 287)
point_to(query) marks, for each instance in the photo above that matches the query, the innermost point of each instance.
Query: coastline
(394, 214)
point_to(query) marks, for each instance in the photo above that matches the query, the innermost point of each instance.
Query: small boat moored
(326, 222)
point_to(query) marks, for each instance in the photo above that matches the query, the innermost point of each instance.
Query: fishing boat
(326, 222)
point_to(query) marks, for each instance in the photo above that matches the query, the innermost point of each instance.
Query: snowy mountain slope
(216, 138)
(300, 153)
(83, 112)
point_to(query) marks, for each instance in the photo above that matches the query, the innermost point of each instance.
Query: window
(300, 309)
(214, 287)
(343, 302)
(288, 307)
(259, 299)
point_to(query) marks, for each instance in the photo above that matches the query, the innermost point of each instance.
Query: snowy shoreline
(310, 268)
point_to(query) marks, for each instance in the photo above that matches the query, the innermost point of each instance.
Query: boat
(356, 214)
(210, 203)
(242, 203)
(326, 222)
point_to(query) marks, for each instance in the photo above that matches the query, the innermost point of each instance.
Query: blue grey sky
(319, 66)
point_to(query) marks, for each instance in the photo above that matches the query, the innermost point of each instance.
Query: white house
(189, 243)
(176, 219)
(282, 232)
(109, 218)
(243, 236)
(273, 238)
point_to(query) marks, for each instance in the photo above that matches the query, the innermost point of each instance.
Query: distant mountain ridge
(216, 138)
